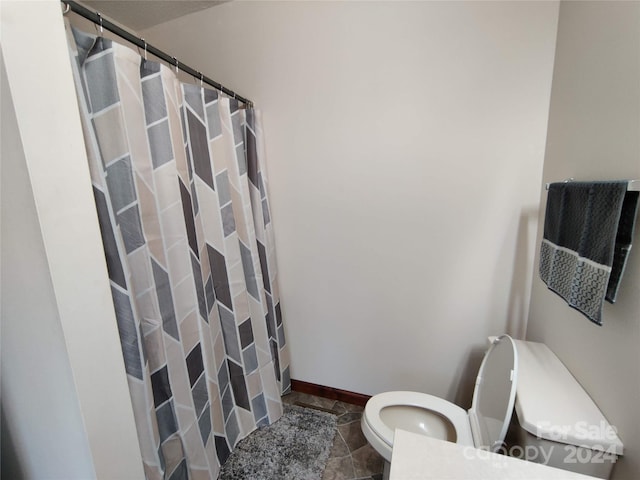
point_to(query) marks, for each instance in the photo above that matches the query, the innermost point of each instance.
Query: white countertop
(418, 457)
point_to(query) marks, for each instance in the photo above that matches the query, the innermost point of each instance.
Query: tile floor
(351, 457)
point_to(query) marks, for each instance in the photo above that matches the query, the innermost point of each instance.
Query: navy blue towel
(588, 230)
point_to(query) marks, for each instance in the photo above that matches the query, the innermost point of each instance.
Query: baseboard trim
(329, 392)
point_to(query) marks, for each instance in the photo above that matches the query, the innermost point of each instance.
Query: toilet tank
(557, 423)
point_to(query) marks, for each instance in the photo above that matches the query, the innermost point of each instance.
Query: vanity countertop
(418, 457)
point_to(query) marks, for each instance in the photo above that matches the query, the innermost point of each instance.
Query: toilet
(556, 422)
(484, 426)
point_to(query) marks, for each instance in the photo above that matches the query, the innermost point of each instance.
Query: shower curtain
(180, 192)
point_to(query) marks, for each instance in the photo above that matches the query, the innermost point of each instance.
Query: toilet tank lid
(551, 404)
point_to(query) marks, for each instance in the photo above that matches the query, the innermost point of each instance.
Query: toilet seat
(457, 416)
(484, 426)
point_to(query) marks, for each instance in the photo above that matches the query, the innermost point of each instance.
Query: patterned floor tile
(352, 435)
(339, 469)
(366, 461)
(340, 447)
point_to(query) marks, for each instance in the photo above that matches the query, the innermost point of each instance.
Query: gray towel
(588, 229)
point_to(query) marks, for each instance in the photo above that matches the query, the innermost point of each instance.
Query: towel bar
(633, 186)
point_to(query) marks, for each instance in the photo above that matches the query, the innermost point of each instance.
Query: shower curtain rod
(102, 22)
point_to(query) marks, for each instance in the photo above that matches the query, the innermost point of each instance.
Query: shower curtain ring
(200, 79)
(176, 64)
(67, 7)
(100, 23)
(145, 48)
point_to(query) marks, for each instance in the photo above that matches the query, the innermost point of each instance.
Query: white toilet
(484, 426)
(557, 422)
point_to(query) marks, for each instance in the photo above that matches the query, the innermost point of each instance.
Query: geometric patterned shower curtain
(180, 193)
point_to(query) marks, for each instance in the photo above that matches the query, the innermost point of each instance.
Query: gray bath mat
(296, 447)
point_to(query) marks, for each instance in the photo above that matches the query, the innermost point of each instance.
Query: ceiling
(141, 14)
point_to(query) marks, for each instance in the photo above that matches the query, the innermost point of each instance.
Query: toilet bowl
(483, 426)
(415, 412)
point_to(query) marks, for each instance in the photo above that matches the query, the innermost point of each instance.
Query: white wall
(41, 415)
(405, 144)
(64, 391)
(594, 133)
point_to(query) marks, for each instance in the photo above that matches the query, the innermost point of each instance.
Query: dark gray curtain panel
(181, 198)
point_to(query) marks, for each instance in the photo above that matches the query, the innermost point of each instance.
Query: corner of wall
(68, 247)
